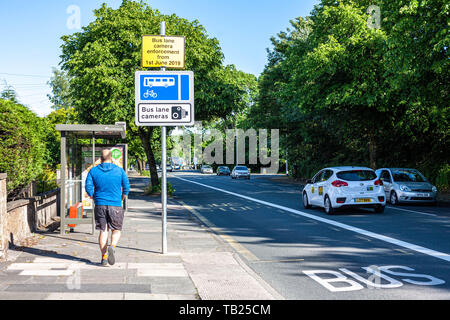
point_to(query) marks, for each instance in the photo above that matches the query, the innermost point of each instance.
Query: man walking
(109, 186)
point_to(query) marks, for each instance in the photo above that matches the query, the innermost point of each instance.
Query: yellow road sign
(163, 51)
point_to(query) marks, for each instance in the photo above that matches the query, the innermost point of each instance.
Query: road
(306, 254)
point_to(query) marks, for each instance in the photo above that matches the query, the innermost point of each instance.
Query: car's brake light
(378, 182)
(339, 183)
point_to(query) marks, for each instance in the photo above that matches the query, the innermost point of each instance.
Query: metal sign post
(164, 98)
(164, 171)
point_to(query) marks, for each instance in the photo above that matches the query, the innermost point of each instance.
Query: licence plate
(363, 200)
(423, 195)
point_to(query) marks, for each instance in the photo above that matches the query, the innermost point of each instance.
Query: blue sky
(30, 32)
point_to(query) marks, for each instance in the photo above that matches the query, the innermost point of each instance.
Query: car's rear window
(241, 168)
(356, 175)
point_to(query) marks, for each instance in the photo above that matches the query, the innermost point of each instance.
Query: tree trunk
(372, 150)
(146, 133)
(140, 164)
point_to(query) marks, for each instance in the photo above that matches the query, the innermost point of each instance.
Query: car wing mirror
(309, 181)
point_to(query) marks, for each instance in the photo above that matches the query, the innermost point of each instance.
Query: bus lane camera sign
(163, 51)
(164, 98)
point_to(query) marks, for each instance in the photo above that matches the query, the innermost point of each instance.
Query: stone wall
(20, 219)
(3, 196)
(19, 222)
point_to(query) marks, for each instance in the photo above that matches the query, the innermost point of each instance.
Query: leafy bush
(157, 189)
(22, 149)
(443, 178)
(46, 181)
(145, 173)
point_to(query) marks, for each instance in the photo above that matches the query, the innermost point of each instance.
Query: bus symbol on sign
(159, 82)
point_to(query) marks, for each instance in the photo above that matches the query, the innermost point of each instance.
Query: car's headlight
(404, 188)
(434, 189)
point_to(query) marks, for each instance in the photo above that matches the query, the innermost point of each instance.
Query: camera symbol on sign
(178, 113)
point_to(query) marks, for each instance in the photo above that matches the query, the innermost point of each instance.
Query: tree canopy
(102, 59)
(344, 93)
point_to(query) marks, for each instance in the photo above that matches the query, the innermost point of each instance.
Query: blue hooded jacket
(107, 182)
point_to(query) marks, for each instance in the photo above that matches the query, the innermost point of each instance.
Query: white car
(240, 172)
(340, 187)
(206, 169)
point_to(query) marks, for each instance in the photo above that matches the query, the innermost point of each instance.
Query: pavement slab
(199, 265)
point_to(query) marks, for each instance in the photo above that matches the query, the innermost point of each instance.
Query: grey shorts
(108, 215)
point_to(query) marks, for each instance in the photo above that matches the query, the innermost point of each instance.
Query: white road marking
(47, 273)
(400, 243)
(428, 214)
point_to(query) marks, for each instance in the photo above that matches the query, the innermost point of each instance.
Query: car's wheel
(327, 205)
(306, 204)
(379, 209)
(393, 198)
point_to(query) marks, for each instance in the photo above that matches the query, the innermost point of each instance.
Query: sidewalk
(199, 264)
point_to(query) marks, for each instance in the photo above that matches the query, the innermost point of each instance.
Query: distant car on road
(206, 169)
(340, 187)
(223, 171)
(240, 172)
(169, 167)
(177, 167)
(406, 185)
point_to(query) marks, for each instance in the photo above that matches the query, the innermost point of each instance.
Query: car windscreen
(356, 175)
(407, 175)
(224, 169)
(242, 168)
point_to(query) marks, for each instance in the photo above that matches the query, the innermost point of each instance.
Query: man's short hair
(106, 155)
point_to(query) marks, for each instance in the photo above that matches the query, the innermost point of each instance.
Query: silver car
(240, 172)
(206, 169)
(406, 186)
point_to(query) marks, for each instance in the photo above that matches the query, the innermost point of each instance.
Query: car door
(387, 182)
(322, 186)
(315, 188)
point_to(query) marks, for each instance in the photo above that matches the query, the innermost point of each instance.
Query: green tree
(346, 94)
(102, 59)
(9, 93)
(51, 137)
(60, 84)
(21, 146)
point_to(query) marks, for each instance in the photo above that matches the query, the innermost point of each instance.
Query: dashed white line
(400, 243)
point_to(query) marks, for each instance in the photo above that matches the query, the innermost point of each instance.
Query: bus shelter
(81, 148)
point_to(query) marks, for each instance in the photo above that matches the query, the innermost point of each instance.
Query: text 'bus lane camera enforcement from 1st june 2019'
(163, 51)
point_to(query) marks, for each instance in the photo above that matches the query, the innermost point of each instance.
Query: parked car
(406, 185)
(177, 167)
(169, 167)
(340, 187)
(206, 169)
(240, 172)
(223, 171)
